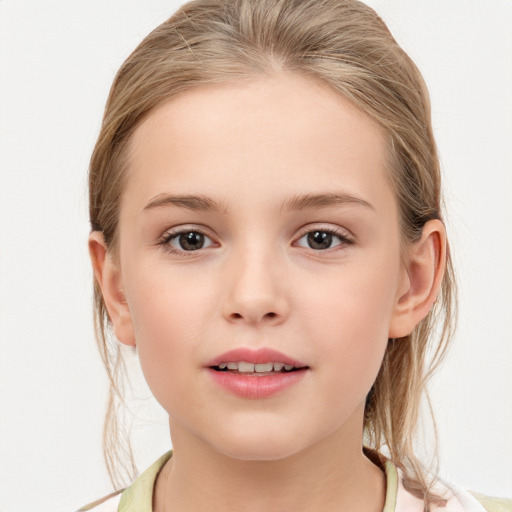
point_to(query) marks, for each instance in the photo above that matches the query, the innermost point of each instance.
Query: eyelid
(172, 233)
(344, 235)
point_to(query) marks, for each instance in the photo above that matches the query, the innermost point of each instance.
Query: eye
(186, 241)
(322, 239)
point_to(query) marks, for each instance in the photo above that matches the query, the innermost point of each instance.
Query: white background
(57, 61)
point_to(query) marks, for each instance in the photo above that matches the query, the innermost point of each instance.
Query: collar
(139, 496)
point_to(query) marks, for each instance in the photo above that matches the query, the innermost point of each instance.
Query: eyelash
(344, 240)
(169, 236)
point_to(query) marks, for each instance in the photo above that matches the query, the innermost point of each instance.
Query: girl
(267, 231)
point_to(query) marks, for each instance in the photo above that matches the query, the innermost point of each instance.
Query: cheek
(355, 302)
(349, 317)
(169, 317)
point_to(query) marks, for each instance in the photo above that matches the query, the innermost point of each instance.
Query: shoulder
(493, 504)
(108, 503)
(137, 497)
(475, 502)
(457, 500)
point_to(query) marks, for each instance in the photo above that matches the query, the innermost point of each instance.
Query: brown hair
(346, 46)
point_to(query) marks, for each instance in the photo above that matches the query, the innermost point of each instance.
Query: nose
(255, 290)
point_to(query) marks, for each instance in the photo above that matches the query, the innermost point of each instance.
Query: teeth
(265, 367)
(245, 367)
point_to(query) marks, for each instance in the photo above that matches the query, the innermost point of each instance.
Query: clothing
(139, 496)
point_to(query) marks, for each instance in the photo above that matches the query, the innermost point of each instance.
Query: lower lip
(254, 386)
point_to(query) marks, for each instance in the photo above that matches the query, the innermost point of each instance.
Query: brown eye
(189, 241)
(321, 240)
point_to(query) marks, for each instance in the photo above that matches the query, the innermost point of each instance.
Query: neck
(331, 475)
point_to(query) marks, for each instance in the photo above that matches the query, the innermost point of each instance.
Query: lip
(254, 386)
(261, 355)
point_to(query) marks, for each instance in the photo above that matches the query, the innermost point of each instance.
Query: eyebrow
(191, 202)
(305, 201)
(297, 202)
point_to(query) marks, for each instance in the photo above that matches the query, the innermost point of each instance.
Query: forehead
(273, 136)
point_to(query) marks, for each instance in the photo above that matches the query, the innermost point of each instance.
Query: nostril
(266, 315)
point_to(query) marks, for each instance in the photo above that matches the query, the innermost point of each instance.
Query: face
(259, 217)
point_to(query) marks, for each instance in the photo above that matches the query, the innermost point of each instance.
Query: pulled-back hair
(344, 45)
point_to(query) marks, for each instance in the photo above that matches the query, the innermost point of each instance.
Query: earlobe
(108, 276)
(421, 281)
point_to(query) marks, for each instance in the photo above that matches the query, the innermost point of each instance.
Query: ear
(421, 280)
(108, 275)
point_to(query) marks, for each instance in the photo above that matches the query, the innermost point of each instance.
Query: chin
(260, 446)
(261, 453)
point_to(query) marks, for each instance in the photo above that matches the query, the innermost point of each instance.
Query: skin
(252, 148)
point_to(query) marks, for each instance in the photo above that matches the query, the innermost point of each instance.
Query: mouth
(250, 361)
(256, 369)
(257, 374)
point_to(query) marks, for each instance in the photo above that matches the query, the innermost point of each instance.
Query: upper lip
(257, 356)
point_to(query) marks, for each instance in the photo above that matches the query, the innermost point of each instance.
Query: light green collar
(139, 496)
(391, 486)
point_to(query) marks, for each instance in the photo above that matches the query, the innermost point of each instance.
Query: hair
(344, 45)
